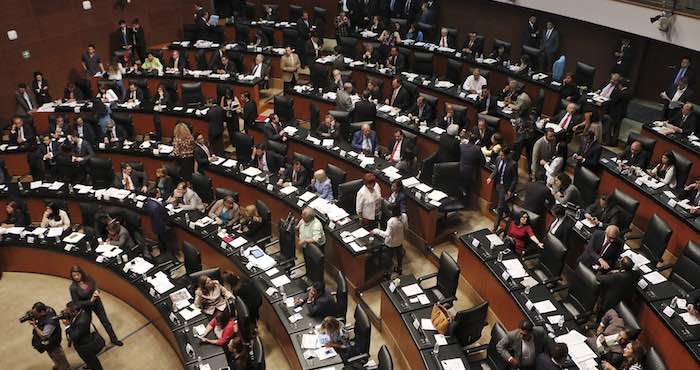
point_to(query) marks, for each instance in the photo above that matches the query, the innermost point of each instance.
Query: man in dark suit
(260, 68)
(85, 131)
(395, 60)
(566, 120)
(602, 213)
(113, 134)
(685, 121)
(400, 149)
(635, 155)
(312, 49)
(226, 66)
(471, 159)
(549, 45)
(400, 98)
(178, 62)
(445, 40)
(603, 249)
(561, 225)
(451, 117)
(131, 180)
(216, 115)
(618, 94)
(538, 197)
(261, 40)
(485, 103)
(473, 46)
(364, 109)
(365, 140)
(692, 193)
(48, 150)
(675, 96)
(318, 302)
(448, 146)
(618, 284)
(554, 360)
(250, 110)
(532, 32)
(505, 176)
(483, 133)
(273, 129)
(296, 176)
(203, 154)
(134, 94)
(304, 27)
(684, 70)
(264, 160)
(21, 133)
(138, 39)
(422, 110)
(520, 347)
(216, 59)
(121, 38)
(588, 154)
(80, 155)
(25, 101)
(409, 10)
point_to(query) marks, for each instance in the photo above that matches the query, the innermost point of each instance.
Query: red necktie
(396, 149)
(565, 121)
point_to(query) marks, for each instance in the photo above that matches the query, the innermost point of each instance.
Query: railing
(690, 8)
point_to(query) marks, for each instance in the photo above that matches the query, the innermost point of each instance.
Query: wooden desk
(16, 162)
(656, 333)
(664, 144)
(397, 336)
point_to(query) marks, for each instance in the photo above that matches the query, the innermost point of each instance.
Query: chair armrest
(361, 357)
(426, 277)
(633, 237)
(559, 288)
(447, 302)
(471, 350)
(665, 267)
(531, 257)
(552, 280)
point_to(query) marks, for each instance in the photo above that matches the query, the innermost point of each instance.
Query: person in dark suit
(312, 49)
(549, 45)
(131, 180)
(451, 117)
(113, 134)
(532, 32)
(589, 153)
(270, 13)
(261, 39)
(177, 62)
(365, 140)
(370, 56)
(400, 98)
(400, 148)
(395, 61)
(329, 128)
(471, 160)
(618, 94)
(318, 302)
(227, 66)
(482, 132)
(25, 101)
(485, 103)
(273, 129)
(445, 39)
(72, 93)
(538, 197)
(40, 88)
(566, 120)
(81, 151)
(603, 249)
(203, 155)
(685, 121)
(624, 56)
(618, 284)
(84, 131)
(21, 133)
(364, 109)
(134, 94)
(473, 46)
(161, 97)
(422, 110)
(264, 160)
(217, 59)
(78, 331)
(569, 91)
(675, 96)
(520, 347)
(409, 9)
(304, 27)
(48, 150)
(554, 360)
(250, 110)
(448, 146)
(374, 90)
(635, 155)
(121, 38)
(216, 115)
(602, 213)
(692, 193)
(561, 225)
(138, 40)
(684, 70)
(505, 176)
(296, 176)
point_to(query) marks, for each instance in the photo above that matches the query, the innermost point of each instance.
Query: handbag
(440, 318)
(97, 340)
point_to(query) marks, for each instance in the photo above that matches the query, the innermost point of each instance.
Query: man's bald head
(612, 232)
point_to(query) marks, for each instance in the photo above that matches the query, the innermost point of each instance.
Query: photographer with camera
(46, 333)
(87, 343)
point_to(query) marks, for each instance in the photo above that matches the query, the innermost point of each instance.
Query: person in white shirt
(607, 91)
(665, 171)
(394, 236)
(368, 201)
(310, 229)
(107, 95)
(475, 82)
(55, 217)
(258, 67)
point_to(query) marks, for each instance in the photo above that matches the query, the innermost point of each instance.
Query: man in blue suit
(365, 140)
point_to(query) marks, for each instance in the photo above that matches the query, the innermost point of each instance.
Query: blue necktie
(391, 6)
(679, 76)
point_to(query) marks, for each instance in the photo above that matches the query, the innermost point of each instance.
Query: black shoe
(118, 343)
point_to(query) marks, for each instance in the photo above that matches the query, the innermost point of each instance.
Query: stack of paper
(655, 277)
(515, 268)
(251, 171)
(160, 282)
(410, 182)
(411, 290)
(138, 265)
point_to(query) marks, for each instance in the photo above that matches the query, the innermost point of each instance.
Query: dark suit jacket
(617, 106)
(564, 230)
(689, 126)
(687, 95)
(88, 133)
(326, 133)
(689, 74)
(485, 139)
(510, 175)
(591, 155)
(302, 177)
(639, 160)
(357, 140)
(408, 148)
(364, 110)
(550, 45)
(139, 95)
(42, 150)
(470, 160)
(271, 133)
(274, 161)
(182, 63)
(399, 62)
(229, 68)
(457, 119)
(616, 286)
(403, 99)
(137, 180)
(215, 62)
(477, 47)
(304, 29)
(29, 136)
(216, 116)
(611, 215)
(448, 149)
(119, 41)
(511, 344)
(250, 113)
(84, 151)
(488, 104)
(200, 156)
(575, 119)
(23, 107)
(543, 361)
(594, 251)
(538, 198)
(528, 38)
(425, 115)
(450, 41)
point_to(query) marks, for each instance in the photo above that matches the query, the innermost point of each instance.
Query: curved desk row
(678, 142)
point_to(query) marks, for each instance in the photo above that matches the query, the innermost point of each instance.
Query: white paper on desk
(307, 196)
(581, 352)
(689, 319)
(336, 213)
(655, 277)
(140, 265)
(437, 195)
(204, 221)
(229, 163)
(571, 338)
(320, 205)
(251, 171)
(423, 187)
(427, 324)
(73, 237)
(39, 231)
(411, 290)
(310, 341)
(453, 363)
(554, 319)
(325, 353)
(280, 281)
(544, 307)
(513, 264)
(637, 258)
(272, 272)
(410, 182)
(357, 248)
(54, 232)
(360, 233)
(55, 185)
(270, 291)
(437, 130)
(219, 160)
(190, 313)
(589, 224)
(34, 185)
(669, 194)
(290, 130)
(494, 239)
(288, 190)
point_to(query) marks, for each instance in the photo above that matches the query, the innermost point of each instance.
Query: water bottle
(436, 348)
(283, 294)
(578, 213)
(187, 218)
(187, 326)
(20, 186)
(500, 256)
(674, 302)
(561, 321)
(199, 362)
(189, 350)
(70, 188)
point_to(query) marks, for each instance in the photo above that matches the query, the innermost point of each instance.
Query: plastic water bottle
(283, 293)
(187, 218)
(561, 321)
(674, 302)
(578, 213)
(500, 256)
(189, 350)
(20, 186)
(199, 362)
(436, 348)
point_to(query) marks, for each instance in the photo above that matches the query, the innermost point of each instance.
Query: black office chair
(244, 146)
(348, 46)
(445, 288)
(249, 11)
(428, 30)
(537, 105)
(491, 121)
(201, 184)
(284, 108)
(193, 260)
(629, 318)
(107, 84)
(320, 18)
(265, 232)
(533, 53)
(362, 330)
(290, 37)
(101, 172)
(124, 121)
(343, 120)
(192, 93)
(314, 260)
(548, 267)
(294, 12)
(431, 100)
(627, 204)
(221, 193)
(337, 177)
(653, 361)
(277, 147)
(497, 43)
(493, 360)
(446, 178)
(647, 142)
(655, 238)
(243, 320)
(341, 295)
(87, 213)
(584, 75)
(173, 170)
(314, 117)
(684, 274)
(683, 167)
(467, 325)
(202, 62)
(258, 354)
(142, 85)
(242, 31)
(403, 24)
(346, 195)
(454, 71)
(582, 294)
(306, 161)
(427, 167)
(452, 33)
(587, 182)
(36, 168)
(423, 63)
(269, 32)
(286, 240)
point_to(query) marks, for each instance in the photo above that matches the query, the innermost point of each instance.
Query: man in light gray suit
(542, 151)
(549, 45)
(521, 346)
(343, 101)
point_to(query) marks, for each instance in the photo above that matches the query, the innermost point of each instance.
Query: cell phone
(257, 253)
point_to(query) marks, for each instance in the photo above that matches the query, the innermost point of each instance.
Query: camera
(26, 317)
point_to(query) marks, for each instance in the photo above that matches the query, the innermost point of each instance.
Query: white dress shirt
(394, 233)
(472, 83)
(367, 203)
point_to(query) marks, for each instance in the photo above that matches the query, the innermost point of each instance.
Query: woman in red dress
(520, 231)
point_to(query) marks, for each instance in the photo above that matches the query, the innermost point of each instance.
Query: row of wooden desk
(678, 143)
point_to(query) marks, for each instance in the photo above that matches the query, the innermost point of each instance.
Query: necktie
(261, 164)
(549, 33)
(565, 121)
(255, 69)
(396, 150)
(408, 7)
(294, 176)
(124, 36)
(20, 134)
(607, 90)
(679, 75)
(48, 149)
(80, 131)
(605, 246)
(443, 41)
(501, 170)
(391, 6)
(554, 226)
(29, 102)
(128, 185)
(133, 95)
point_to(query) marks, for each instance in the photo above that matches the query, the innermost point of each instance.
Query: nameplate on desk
(300, 204)
(68, 247)
(191, 225)
(458, 54)
(248, 179)
(463, 95)
(331, 225)
(152, 292)
(155, 152)
(475, 242)
(99, 259)
(505, 275)
(578, 225)
(30, 239)
(342, 153)
(419, 196)
(672, 203)
(392, 287)
(529, 305)
(223, 245)
(639, 181)
(139, 204)
(270, 187)
(668, 311)
(642, 284)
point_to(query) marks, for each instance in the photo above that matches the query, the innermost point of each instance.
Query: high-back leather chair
(685, 272)
(683, 167)
(583, 293)
(445, 288)
(423, 63)
(346, 195)
(551, 260)
(587, 182)
(284, 108)
(468, 324)
(201, 184)
(337, 177)
(655, 239)
(584, 75)
(244, 146)
(192, 93)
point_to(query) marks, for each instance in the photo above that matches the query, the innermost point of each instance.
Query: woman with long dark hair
(84, 293)
(520, 231)
(54, 216)
(15, 216)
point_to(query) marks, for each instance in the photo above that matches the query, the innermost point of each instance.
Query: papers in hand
(411, 290)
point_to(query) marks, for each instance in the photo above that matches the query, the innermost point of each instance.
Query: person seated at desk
(82, 150)
(163, 182)
(210, 296)
(84, 131)
(692, 193)
(394, 235)
(59, 128)
(553, 359)
(569, 91)
(118, 235)
(365, 140)
(635, 155)
(343, 27)
(676, 96)
(684, 121)
(337, 81)
(421, 110)
(451, 117)
(561, 225)
(482, 132)
(161, 97)
(395, 61)
(370, 55)
(376, 25)
(48, 150)
(611, 337)
(485, 103)
(474, 82)
(473, 46)
(566, 120)
(152, 64)
(296, 176)
(368, 201)
(185, 198)
(21, 134)
(129, 180)
(55, 217)
(374, 91)
(520, 347)
(334, 330)
(318, 302)
(329, 128)
(177, 62)
(632, 358)
(113, 134)
(401, 151)
(518, 101)
(444, 40)
(321, 185)
(107, 96)
(519, 232)
(523, 65)
(134, 95)
(223, 326)
(14, 215)
(310, 230)
(265, 161)
(493, 147)
(665, 170)
(500, 54)
(203, 156)
(448, 146)
(565, 191)
(226, 66)
(343, 100)
(602, 214)
(250, 221)
(509, 92)
(273, 129)
(603, 249)
(224, 211)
